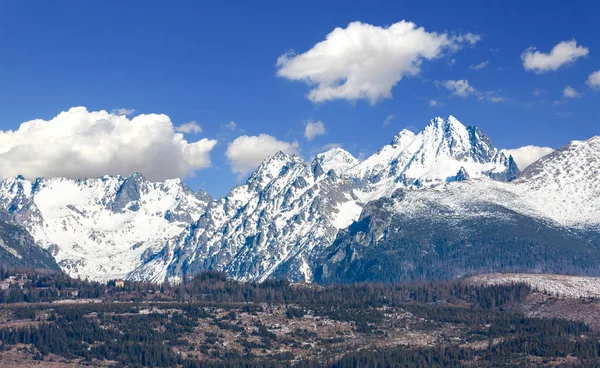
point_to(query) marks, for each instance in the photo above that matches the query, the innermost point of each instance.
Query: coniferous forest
(213, 321)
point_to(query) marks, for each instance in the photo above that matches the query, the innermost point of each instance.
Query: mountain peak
(137, 176)
(272, 167)
(282, 156)
(403, 138)
(445, 126)
(337, 159)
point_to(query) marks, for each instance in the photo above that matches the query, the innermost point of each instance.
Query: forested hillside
(213, 321)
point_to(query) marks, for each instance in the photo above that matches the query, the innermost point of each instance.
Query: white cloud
(79, 144)
(123, 111)
(594, 80)
(570, 92)
(479, 66)
(460, 88)
(230, 126)
(471, 38)
(527, 155)
(363, 61)
(245, 153)
(434, 103)
(563, 53)
(313, 129)
(388, 120)
(190, 127)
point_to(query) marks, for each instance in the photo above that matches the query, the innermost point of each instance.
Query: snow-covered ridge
(560, 285)
(101, 228)
(444, 151)
(290, 210)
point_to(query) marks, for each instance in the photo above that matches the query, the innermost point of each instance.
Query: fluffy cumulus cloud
(570, 92)
(527, 155)
(594, 80)
(79, 144)
(563, 53)
(190, 127)
(364, 61)
(245, 153)
(314, 129)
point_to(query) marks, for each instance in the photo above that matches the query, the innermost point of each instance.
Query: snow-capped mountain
(287, 210)
(290, 210)
(444, 151)
(101, 228)
(293, 217)
(546, 220)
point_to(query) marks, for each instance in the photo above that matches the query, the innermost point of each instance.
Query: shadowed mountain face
(18, 249)
(547, 220)
(444, 196)
(385, 246)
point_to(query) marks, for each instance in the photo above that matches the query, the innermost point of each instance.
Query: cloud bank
(363, 61)
(245, 153)
(82, 144)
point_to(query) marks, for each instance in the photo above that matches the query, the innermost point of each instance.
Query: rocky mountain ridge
(289, 214)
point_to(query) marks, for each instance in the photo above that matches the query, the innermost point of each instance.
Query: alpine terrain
(438, 204)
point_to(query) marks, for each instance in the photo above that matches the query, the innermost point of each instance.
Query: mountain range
(438, 204)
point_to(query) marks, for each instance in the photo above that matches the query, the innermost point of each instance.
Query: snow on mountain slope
(289, 210)
(336, 159)
(565, 185)
(101, 228)
(286, 210)
(438, 154)
(562, 188)
(562, 285)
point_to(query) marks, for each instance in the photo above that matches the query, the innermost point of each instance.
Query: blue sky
(216, 62)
